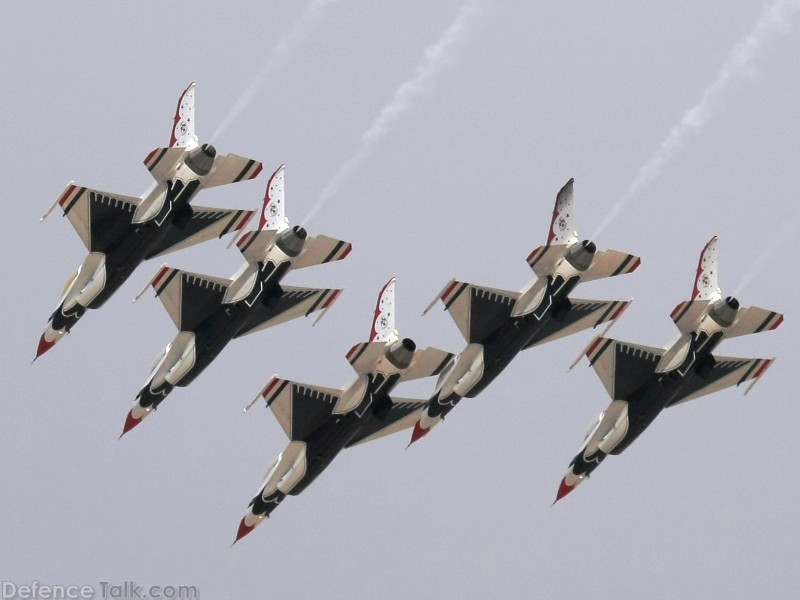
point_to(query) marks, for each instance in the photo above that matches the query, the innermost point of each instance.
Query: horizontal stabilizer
(477, 310)
(727, 372)
(321, 249)
(610, 263)
(291, 303)
(188, 297)
(203, 224)
(363, 356)
(100, 218)
(254, 244)
(754, 320)
(687, 314)
(231, 168)
(543, 260)
(426, 363)
(402, 414)
(581, 315)
(622, 367)
(161, 161)
(299, 408)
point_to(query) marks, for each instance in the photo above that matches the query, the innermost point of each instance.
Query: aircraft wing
(477, 310)
(299, 408)
(402, 414)
(203, 224)
(426, 363)
(321, 249)
(726, 372)
(188, 297)
(230, 169)
(100, 218)
(582, 314)
(291, 303)
(610, 263)
(622, 367)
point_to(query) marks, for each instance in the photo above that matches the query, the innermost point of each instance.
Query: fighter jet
(497, 324)
(121, 232)
(320, 422)
(642, 381)
(211, 311)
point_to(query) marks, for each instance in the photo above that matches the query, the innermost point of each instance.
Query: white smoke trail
(425, 73)
(784, 236)
(739, 63)
(275, 60)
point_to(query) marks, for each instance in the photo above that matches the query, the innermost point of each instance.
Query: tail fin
(183, 126)
(383, 323)
(706, 286)
(561, 231)
(273, 212)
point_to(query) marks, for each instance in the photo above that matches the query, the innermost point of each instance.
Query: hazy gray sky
(437, 135)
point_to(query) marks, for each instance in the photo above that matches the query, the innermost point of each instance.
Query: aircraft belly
(643, 407)
(499, 350)
(208, 348)
(323, 446)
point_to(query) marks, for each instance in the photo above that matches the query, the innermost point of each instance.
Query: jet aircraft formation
(120, 232)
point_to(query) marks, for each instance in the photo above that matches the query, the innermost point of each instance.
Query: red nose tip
(130, 423)
(563, 490)
(44, 346)
(244, 529)
(419, 432)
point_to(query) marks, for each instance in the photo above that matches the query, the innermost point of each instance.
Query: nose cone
(563, 489)
(243, 530)
(418, 433)
(130, 423)
(44, 346)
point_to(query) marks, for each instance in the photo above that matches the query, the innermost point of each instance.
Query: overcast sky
(434, 136)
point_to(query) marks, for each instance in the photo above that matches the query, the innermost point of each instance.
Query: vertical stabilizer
(273, 214)
(383, 324)
(561, 227)
(706, 286)
(183, 127)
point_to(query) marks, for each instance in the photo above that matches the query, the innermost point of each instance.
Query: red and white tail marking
(183, 126)
(561, 227)
(273, 212)
(383, 322)
(705, 285)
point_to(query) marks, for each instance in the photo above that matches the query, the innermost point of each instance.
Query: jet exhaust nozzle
(724, 310)
(201, 159)
(291, 241)
(580, 255)
(401, 353)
